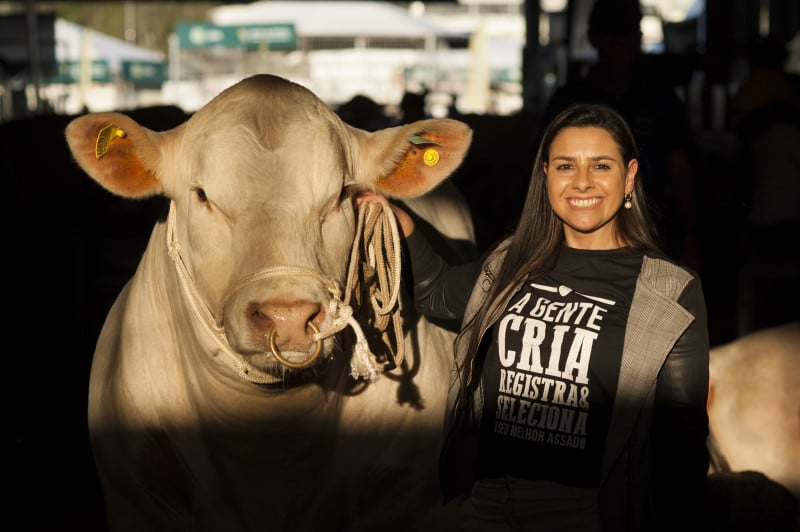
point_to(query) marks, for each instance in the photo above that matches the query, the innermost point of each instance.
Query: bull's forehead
(272, 150)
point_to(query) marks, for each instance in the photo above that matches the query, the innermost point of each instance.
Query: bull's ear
(408, 161)
(116, 152)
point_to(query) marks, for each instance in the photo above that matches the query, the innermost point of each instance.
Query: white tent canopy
(76, 43)
(332, 19)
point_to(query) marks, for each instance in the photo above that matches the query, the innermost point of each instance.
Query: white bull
(231, 388)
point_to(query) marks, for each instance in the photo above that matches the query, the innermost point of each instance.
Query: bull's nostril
(318, 317)
(253, 310)
(261, 319)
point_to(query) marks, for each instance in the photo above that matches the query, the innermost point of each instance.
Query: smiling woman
(587, 181)
(582, 361)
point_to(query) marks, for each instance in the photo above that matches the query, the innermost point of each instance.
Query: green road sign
(206, 35)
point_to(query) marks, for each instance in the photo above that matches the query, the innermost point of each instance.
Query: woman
(581, 372)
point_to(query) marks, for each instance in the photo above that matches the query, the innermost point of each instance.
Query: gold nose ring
(295, 365)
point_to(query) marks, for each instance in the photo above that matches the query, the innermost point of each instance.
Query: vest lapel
(655, 323)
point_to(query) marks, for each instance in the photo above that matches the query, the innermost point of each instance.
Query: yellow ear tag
(430, 157)
(104, 138)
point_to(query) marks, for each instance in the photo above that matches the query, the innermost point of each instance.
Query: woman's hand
(404, 220)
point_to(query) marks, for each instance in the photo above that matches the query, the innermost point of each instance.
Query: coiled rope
(376, 251)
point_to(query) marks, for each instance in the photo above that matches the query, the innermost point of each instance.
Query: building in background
(97, 71)
(336, 49)
(459, 57)
(474, 56)
(344, 49)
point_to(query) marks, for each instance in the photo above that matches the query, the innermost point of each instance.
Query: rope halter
(362, 363)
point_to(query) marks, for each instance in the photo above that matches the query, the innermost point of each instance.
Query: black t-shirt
(551, 371)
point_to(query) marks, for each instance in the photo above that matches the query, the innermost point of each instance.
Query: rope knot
(363, 362)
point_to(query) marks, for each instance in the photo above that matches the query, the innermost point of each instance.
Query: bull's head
(261, 223)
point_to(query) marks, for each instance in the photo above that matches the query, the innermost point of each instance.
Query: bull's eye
(201, 195)
(334, 204)
(346, 195)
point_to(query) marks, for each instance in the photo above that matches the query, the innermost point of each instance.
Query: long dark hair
(533, 246)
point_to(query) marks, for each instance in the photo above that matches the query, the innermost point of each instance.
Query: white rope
(203, 314)
(384, 256)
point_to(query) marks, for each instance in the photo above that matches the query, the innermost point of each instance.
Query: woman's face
(586, 183)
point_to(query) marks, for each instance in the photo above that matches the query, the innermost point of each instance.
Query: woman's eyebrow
(593, 158)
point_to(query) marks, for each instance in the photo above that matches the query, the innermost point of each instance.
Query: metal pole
(532, 72)
(35, 61)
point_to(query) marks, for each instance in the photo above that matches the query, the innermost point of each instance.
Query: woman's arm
(680, 423)
(440, 290)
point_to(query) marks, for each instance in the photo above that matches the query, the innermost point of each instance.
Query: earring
(628, 203)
